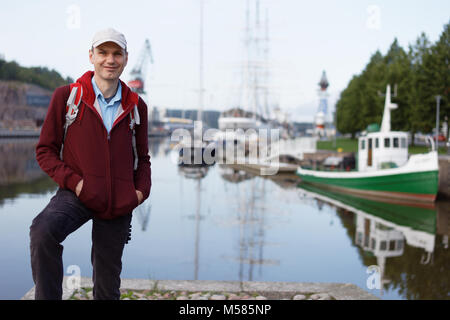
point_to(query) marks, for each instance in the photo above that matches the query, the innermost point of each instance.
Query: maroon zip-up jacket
(104, 162)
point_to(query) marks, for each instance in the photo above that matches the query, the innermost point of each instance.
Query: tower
(320, 117)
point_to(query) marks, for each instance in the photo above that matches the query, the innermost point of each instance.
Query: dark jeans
(62, 216)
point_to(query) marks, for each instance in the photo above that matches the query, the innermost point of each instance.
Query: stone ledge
(338, 291)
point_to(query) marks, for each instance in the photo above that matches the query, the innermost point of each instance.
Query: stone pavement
(143, 289)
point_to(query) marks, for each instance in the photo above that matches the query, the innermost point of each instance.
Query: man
(96, 175)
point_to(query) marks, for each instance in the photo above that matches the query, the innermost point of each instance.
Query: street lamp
(438, 101)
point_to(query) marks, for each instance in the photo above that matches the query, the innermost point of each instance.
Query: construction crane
(139, 71)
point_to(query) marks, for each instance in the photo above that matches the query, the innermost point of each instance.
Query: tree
(438, 68)
(41, 76)
(420, 74)
(398, 73)
(416, 53)
(348, 117)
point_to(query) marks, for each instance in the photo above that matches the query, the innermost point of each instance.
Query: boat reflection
(142, 213)
(194, 172)
(233, 174)
(237, 173)
(406, 236)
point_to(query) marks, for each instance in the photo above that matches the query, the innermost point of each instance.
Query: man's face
(109, 60)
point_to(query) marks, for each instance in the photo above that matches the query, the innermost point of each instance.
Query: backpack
(72, 104)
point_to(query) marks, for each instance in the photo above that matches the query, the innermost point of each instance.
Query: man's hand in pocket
(140, 196)
(79, 187)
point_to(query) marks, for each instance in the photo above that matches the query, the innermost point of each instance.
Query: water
(231, 225)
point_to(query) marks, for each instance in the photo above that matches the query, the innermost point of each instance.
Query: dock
(22, 133)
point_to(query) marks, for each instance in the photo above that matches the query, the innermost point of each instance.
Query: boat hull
(403, 187)
(403, 184)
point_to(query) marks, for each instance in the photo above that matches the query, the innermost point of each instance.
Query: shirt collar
(117, 96)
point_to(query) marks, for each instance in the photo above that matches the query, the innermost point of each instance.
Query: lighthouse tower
(320, 117)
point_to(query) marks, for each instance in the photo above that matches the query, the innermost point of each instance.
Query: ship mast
(200, 79)
(388, 105)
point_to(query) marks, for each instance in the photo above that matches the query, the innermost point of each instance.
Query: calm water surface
(224, 224)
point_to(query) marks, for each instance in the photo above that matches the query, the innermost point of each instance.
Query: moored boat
(384, 168)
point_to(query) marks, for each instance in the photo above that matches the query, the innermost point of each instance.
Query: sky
(305, 38)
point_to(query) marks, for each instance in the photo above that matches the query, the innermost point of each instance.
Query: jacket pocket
(124, 196)
(93, 194)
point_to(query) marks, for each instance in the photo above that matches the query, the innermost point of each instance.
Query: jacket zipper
(108, 162)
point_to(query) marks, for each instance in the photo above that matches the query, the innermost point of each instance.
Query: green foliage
(41, 76)
(420, 74)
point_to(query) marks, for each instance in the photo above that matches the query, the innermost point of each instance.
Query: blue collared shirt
(109, 108)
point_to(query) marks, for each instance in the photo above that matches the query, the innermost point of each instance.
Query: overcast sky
(306, 37)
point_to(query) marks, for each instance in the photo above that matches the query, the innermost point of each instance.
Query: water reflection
(234, 175)
(142, 213)
(19, 171)
(249, 214)
(196, 173)
(251, 211)
(157, 146)
(401, 240)
(241, 226)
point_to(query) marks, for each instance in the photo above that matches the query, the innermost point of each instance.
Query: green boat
(384, 169)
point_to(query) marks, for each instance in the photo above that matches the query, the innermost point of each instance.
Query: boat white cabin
(383, 149)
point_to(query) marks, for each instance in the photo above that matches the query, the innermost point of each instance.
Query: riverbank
(351, 145)
(143, 289)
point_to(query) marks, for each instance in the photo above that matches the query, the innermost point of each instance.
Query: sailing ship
(234, 124)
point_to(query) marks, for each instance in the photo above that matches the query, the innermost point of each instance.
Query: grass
(351, 145)
(347, 145)
(421, 149)
(129, 295)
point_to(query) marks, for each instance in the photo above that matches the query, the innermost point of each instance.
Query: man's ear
(91, 56)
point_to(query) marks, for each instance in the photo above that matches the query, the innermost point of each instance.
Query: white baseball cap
(107, 35)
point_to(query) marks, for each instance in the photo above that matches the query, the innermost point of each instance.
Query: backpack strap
(134, 120)
(73, 102)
